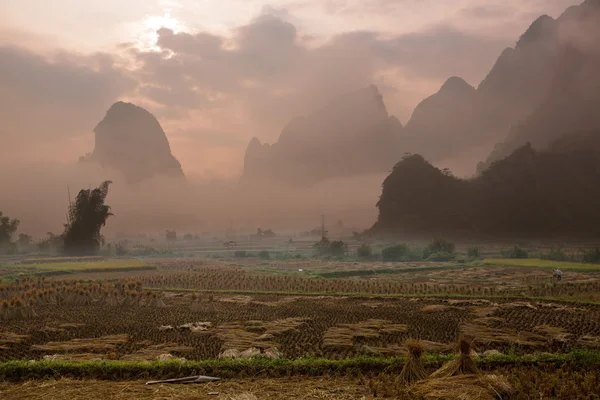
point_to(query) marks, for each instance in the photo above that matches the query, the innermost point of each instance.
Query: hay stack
(29, 311)
(196, 304)
(156, 302)
(463, 387)
(211, 299)
(112, 300)
(413, 370)
(4, 310)
(462, 364)
(16, 309)
(130, 299)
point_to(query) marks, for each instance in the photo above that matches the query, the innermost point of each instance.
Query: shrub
(441, 256)
(240, 254)
(120, 250)
(328, 248)
(591, 255)
(264, 254)
(555, 255)
(337, 248)
(473, 253)
(394, 253)
(515, 252)
(364, 251)
(439, 246)
(400, 252)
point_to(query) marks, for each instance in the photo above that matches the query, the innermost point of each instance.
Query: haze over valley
(272, 121)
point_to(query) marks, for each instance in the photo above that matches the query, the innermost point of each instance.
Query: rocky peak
(582, 11)
(456, 86)
(350, 115)
(130, 139)
(353, 134)
(543, 28)
(448, 107)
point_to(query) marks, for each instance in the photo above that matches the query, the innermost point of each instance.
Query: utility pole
(70, 205)
(323, 230)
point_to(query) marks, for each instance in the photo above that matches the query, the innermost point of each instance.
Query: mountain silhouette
(544, 86)
(572, 98)
(352, 135)
(539, 193)
(441, 119)
(515, 86)
(130, 139)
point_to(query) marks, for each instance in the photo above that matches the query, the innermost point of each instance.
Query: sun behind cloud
(147, 29)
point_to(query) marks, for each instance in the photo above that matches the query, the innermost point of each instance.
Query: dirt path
(235, 389)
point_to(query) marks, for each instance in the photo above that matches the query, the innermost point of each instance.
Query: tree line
(81, 236)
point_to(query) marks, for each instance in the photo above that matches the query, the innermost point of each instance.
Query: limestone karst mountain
(460, 117)
(353, 135)
(130, 139)
(572, 97)
(542, 193)
(536, 91)
(440, 123)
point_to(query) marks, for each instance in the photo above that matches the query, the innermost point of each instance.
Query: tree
(328, 248)
(24, 240)
(364, 251)
(87, 215)
(269, 233)
(7, 228)
(51, 241)
(171, 236)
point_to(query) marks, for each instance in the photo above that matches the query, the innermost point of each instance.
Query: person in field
(558, 274)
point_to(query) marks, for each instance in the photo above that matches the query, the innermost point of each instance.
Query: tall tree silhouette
(87, 215)
(7, 228)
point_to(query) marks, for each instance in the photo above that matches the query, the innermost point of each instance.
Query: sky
(218, 72)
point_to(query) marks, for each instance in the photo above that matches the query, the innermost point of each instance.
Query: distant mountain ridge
(572, 98)
(130, 139)
(542, 180)
(350, 136)
(532, 94)
(546, 193)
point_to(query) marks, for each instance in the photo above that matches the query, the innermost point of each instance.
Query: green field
(18, 370)
(84, 266)
(538, 263)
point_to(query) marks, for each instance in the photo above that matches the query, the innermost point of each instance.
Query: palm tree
(87, 215)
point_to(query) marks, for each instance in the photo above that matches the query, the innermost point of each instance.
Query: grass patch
(445, 296)
(384, 271)
(50, 260)
(15, 371)
(538, 263)
(86, 266)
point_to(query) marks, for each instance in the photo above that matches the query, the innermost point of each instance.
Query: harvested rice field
(268, 335)
(200, 326)
(523, 383)
(235, 389)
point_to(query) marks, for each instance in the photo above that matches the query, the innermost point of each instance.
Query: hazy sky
(217, 72)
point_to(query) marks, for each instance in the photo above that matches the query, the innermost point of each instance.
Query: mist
(212, 92)
(38, 196)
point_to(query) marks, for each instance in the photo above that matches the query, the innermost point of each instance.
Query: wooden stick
(189, 379)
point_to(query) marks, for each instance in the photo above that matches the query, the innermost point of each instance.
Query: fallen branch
(186, 380)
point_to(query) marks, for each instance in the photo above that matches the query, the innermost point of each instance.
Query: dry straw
(413, 370)
(462, 364)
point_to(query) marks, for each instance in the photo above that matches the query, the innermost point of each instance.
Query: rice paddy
(390, 335)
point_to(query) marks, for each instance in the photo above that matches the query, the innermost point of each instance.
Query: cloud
(489, 11)
(47, 99)
(273, 76)
(219, 90)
